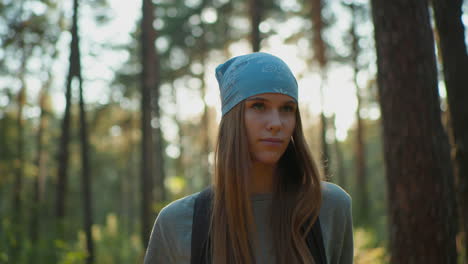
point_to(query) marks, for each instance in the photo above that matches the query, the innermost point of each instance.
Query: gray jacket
(170, 241)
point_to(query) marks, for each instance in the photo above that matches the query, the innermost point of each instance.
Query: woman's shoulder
(336, 223)
(172, 231)
(333, 196)
(178, 210)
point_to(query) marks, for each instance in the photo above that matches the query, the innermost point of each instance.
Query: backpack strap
(315, 243)
(200, 246)
(200, 227)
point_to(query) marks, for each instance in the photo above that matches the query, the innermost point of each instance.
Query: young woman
(267, 203)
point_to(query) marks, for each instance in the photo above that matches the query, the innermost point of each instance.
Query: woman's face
(270, 119)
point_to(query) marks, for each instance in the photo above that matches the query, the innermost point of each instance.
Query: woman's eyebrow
(266, 100)
(256, 99)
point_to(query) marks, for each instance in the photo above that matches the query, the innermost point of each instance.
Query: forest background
(109, 111)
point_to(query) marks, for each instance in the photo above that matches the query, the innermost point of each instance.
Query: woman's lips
(273, 142)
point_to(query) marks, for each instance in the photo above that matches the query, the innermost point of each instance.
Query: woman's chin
(268, 160)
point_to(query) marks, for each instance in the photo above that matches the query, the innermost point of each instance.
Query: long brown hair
(297, 194)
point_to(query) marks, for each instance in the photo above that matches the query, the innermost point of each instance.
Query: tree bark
(206, 139)
(159, 148)
(360, 152)
(85, 170)
(63, 154)
(18, 186)
(159, 144)
(416, 149)
(255, 10)
(40, 177)
(148, 83)
(318, 26)
(180, 164)
(339, 157)
(324, 145)
(127, 184)
(86, 179)
(455, 65)
(19, 164)
(75, 72)
(205, 122)
(320, 56)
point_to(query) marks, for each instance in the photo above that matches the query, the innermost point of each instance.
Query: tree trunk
(19, 164)
(159, 144)
(148, 84)
(360, 153)
(160, 174)
(75, 71)
(127, 201)
(86, 176)
(361, 175)
(206, 139)
(339, 158)
(62, 174)
(320, 56)
(18, 187)
(40, 177)
(420, 183)
(85, 170)
(180, 164)
(63, 155)
(159, 147)
(455, 63)
(318, 26)
(255, 10)
(205, 122)
(227, 14)
(324, 146)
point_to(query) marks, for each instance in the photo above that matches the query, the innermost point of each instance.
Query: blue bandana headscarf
(251, 74)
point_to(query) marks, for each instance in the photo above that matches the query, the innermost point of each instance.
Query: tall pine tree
(416, 149)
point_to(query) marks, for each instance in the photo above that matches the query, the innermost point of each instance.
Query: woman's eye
(258, 106)
(288, 108)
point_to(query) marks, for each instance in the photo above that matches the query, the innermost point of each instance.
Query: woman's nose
(274, 121)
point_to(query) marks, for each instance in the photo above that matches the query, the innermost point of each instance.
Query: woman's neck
(262, 178)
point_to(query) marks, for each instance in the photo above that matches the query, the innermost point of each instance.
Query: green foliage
(7, 144)
(114, 244)
(3, 257)
(70, 253)
(365, 249)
